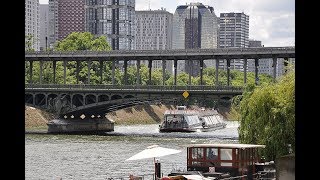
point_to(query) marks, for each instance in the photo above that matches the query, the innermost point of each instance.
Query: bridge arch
(116, 96)
(77, 100)
(90, 99)
(128, 96)
(28, 98)
(40, 100)
(103, 97)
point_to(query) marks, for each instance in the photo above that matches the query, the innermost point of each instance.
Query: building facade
(266, 65)
(65, 17)
(44, 26)
(113, 19)
(233, 32)
(153, 32)
(32, 25)
(195, 26)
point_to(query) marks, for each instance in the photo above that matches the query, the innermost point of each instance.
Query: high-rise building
(195, 26)
(234, 32)
(65, 17)
(153, 32)
(113, 19)
(32, 29)
(44, 26)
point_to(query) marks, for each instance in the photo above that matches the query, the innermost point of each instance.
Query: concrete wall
(286, 167)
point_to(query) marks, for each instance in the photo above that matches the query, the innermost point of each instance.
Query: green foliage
(268, 115)
(73, 42)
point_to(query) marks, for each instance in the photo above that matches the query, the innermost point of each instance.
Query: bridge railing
(163, 52)
(135, 87)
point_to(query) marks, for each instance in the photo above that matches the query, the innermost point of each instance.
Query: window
(226, 154)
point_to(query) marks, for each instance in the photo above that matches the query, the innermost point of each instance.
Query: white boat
(187, 120)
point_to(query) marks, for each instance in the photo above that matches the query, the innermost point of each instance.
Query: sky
(270, 21)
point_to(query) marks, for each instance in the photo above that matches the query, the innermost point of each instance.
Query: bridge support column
(256, 73)
(285, 64)
(34, 99)
(190, 66)
(228, 72)
(175, 62)
(77, 71)
(138, 72)
(46, 100)
(89, 67)
(149, 66)
(101, 68)
(201, 71)
(113, 69)
(163, 72)
(217, 72)
(54, 64)
(41, 69)
(30, 69)
(274, 65)
(64, 71)
(245, 61)
(125, 75)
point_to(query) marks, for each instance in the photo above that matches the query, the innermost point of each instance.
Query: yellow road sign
(185, 94)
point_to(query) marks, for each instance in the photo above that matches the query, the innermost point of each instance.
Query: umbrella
(153, 152)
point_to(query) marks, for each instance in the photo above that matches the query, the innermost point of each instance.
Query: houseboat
(191, 120)
(220, 161)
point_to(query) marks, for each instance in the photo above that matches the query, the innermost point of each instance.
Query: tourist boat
(220, 161)
(190, 120)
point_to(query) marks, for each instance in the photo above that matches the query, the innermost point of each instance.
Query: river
(101, 157)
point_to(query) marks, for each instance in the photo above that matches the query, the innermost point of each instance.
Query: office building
(195, 26)
(153, 32)
(32, 26)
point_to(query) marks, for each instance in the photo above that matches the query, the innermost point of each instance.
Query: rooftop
(242, 146)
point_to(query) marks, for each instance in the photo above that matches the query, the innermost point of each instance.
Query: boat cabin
(235, 159)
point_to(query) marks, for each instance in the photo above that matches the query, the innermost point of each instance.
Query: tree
(268, 116)
(76, 41)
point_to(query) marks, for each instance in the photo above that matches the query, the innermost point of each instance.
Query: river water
(103, 157)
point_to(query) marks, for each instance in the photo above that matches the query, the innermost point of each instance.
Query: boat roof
(242, 146)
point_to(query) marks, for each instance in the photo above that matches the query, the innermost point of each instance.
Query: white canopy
(153, 152)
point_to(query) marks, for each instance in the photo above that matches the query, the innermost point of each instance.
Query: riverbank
(36, 119)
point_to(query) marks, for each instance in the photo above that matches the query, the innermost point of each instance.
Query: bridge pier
(217, 72)
(163, 72)
(138, 72)
(274, 65)
(245, 61)
(64, 71)
(190, 64)
(228, 72)
(101, 72)
(285, 64)
(149, 66)
(175, 62)
(54, 66)
(201, 71)
(89, 68)
(125, 75)
(112, 71)
(40, 75)
(256, 73)
(30, 69)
